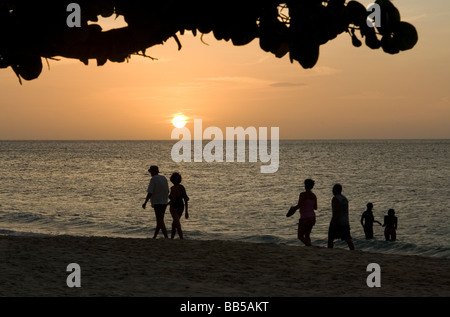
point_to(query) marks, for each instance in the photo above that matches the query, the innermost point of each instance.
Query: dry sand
(36, 266)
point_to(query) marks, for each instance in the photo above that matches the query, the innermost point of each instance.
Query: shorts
(368, 230)
(305, 225)
(390, 232)
(178, 207)
(339, 232)
(160, 210)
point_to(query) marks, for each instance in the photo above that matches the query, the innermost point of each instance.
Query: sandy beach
(37, 266)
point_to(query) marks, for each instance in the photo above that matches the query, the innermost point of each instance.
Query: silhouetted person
(339, 225)
(178, 201)
(367, 220)
(158, 193)
(390, 224)
(307, 203)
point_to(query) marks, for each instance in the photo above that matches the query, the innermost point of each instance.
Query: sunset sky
(352, 93)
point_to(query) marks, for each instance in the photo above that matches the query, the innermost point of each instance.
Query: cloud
(372, 95)
(415, 18)
(245, 82)
(324, 71)
(260, 60)
(287, 84)
(241, 80)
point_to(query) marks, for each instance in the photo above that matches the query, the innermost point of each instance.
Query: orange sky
(352, 93)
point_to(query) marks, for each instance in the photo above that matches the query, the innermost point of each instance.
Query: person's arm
(146, 200)
(362, 219)
(150, 188)
(395, 223)
(170, 196)
(186, 199)
(300, 202)
(186, 214)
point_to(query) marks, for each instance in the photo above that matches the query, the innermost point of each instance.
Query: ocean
(96, 188)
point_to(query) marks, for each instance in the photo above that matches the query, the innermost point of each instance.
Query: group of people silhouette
(339, 227)
(390, 223)
(160, 197)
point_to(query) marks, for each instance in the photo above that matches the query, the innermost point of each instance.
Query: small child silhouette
(390, 224)
(367, 220)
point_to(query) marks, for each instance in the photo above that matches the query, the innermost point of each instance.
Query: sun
(179, 121)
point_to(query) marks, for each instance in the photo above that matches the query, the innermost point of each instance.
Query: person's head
(154, 170)
(369, 206)
(337, 189)
(391, 212)
(309, 184)
(175, 178)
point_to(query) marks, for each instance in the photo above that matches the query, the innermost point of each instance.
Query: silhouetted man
(158, 194)
(339, 225)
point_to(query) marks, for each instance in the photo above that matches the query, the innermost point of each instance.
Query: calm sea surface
(97, 188)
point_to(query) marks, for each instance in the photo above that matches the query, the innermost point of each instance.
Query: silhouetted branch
(31, 30)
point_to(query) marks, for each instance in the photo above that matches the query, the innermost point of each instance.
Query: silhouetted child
(367, 220)
(390, 224)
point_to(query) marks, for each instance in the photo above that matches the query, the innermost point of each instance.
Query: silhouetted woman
(390, 224)
(178, 201)
(307, 203)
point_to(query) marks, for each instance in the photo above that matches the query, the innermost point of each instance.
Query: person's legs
(330, 242)
(176, 225)
(388, 234)
(393, 235)
(160, 225)
(342, 232)
(345, 235)
(306, 238)
(174, 230)
(308, 228)
(331, 230)
(180, 232)
(351, 246)
(157, 228)
(301, 230)
(369, 232)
